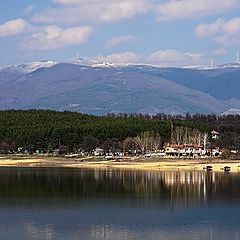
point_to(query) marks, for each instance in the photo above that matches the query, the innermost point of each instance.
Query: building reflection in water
(176, 186)
(113, 204)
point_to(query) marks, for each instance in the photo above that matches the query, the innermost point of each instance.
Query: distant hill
(234, 111)
(101, 88)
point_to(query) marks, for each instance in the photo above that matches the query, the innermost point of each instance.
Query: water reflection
(175, 186)
(113, 204)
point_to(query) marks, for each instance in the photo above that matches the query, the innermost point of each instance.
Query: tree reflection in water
(45, 203)
(177, 187)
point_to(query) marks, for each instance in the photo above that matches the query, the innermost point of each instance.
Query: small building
(215, 134)
(216, 152)
(184, 150)
(109, 156)
(98, 152)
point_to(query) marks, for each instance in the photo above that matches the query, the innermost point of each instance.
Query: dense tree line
(47, 130)
(228, 126)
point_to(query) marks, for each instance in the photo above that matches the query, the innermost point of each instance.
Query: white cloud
(119, 40)
(53, 37)
(172, 57)
(183, 9)
(226, 33)
(13, 27)
(208, 30)
(164, 58)
(125, 57)
(92, 12)
(105, 11)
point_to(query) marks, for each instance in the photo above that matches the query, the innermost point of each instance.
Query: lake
(45, 203)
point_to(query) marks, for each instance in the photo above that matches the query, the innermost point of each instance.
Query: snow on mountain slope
(234, 111)
(100, 88)
(30, 67)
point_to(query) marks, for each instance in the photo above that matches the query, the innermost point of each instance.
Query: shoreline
(145, 164)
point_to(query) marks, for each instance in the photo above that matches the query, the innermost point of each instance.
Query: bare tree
(186, 136)
(129, 144)
(148, 141)
(157, 142)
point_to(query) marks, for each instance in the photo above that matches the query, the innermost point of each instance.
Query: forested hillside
(43, 129)
(47, 130)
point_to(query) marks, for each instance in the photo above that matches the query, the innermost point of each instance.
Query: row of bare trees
(151, 141)
(144, 141)
(189, 136)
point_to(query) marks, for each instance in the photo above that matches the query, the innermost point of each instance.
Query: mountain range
(101, 88)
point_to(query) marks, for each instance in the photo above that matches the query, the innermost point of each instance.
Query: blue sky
(159, 32)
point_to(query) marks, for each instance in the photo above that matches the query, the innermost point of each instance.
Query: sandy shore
(130, 163)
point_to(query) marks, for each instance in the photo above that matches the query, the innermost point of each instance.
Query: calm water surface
(113, 204)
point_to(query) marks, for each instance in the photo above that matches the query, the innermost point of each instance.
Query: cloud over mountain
(161, 32)
(221, 31)
(184, 9)
(13, 27)
(92, 12)
(172, 57)
(53, 37)
(123, 57)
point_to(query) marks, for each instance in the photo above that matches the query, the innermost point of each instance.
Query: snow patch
(232, 111)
